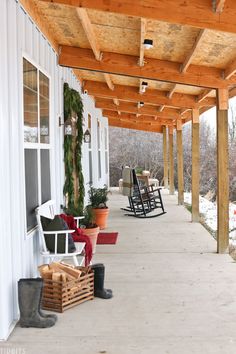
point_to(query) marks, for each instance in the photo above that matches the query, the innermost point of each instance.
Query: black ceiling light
(143, 87)
(148, 43)
(140, 104)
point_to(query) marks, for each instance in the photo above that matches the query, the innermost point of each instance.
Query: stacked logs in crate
(65, 285)
(60, 271)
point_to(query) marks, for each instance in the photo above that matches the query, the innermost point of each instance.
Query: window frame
(38, 146)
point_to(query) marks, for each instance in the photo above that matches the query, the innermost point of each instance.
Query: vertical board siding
(19, 252)
(5, 239)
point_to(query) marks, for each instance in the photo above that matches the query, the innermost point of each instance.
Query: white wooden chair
(48, 210)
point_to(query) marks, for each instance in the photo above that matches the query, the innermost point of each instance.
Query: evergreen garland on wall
(74, 180)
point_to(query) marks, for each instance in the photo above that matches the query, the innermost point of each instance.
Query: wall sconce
(68, 127)
(148, 43)
(143, 87)
(87, 136)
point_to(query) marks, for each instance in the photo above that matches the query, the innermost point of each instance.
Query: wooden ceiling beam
(135, 126)
(156, 97)
(132, 117)
(133, 108)
(194, 13)
(191, 54)
(154, 69)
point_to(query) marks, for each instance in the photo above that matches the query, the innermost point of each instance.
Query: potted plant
(90, 228)
(98, 198)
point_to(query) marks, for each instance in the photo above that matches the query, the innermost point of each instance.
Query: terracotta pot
(93, 235)
(101, 216)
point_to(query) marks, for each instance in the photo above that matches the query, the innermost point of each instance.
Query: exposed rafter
(142, 37)
(161, 108)
(88, 29)
(91, 36)
(197, 13)
(155, 69)
(186, 63)
(109, 81)
(190, 56)
(156, 97)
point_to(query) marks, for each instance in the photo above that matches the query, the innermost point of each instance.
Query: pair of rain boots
(29, 297)
(99, 277)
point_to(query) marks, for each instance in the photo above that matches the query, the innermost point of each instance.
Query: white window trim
(35, 146)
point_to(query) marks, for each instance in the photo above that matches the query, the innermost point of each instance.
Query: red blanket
(79, 236)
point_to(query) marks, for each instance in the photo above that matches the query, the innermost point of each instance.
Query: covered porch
(172, 293)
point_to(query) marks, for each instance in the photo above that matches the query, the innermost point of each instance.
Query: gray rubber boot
(99, 276)
(29, 295)
(42, 314)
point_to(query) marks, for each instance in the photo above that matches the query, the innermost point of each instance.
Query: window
(90, 151)
(99, 148)
(36, 140)
(106, 149)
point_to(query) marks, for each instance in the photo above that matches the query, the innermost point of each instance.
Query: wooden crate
(59, 296)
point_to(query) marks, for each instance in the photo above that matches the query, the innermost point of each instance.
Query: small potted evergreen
(89, 226)
(98, 198)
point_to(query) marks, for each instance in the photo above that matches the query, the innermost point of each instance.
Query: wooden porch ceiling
(194, 53)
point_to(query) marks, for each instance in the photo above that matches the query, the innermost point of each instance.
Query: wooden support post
(171, 162)
(222, 172)
(180, 164)
(195, 165)
(165, 157)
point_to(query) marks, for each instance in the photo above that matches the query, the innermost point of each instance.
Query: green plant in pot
(98, 198)
(89, 226)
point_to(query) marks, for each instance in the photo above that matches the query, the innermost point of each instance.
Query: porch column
(171, 162)
(195, 165)
(165, 157)
(180, 163)
(222, 172)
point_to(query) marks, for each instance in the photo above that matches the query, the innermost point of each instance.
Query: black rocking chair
(145, 199)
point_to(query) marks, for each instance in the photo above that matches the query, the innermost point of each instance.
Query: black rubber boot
(29, 296)
(99, 276)
(42, 314)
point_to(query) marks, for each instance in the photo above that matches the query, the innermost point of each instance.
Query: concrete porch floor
(172, 293)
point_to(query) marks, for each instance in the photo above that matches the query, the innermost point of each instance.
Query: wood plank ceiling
(193, 53)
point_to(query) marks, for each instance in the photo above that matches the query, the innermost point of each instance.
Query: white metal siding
(19, 253)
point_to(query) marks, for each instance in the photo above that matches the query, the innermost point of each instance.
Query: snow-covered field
(209, 213)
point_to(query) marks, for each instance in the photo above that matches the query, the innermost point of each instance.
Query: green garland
(73, 104)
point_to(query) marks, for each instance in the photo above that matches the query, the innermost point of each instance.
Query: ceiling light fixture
(148, 43)
(140, 104)
(143, 87)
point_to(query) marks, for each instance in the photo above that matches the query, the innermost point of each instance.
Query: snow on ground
(209, 213)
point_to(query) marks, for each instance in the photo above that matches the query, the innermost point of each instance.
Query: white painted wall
(19, 252)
